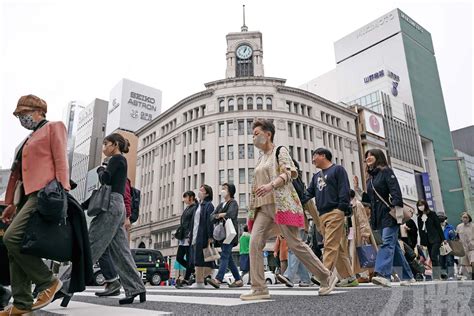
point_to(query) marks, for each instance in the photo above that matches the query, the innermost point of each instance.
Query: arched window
(230, 103)
(240, 103)
(249, 103)
(269, 103)
(259, 103)
(221, 106)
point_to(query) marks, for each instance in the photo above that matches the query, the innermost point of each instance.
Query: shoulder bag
(99, 200)
(52, 202)
(401, 214)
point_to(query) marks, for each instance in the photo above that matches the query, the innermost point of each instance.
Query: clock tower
(244, 53)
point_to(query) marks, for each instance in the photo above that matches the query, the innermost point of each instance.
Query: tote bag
(210, 254)
(99, 200)
(230, 232)
(367, 255)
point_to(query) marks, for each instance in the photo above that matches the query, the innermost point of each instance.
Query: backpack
(135, 204)
(298, 183)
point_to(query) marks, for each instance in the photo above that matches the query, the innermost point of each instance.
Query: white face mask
(259, 141)
(224, 193)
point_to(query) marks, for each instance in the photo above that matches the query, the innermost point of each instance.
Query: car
(269, 278)
(150, 264)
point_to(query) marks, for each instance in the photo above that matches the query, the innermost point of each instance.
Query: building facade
(389, 67)
(206, 138)
(462, 141)
(4, 177)
(88, 145)
(71, 119)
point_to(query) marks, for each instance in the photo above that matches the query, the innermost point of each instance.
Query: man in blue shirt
(330, 187)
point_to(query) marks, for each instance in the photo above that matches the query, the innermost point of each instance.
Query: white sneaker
(407, 282)
(325, 290)
(381, 281)
(255, 295)
(197, 286)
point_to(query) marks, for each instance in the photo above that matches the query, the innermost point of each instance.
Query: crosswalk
(87, 304)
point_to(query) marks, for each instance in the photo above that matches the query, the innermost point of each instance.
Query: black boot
(5, 296)
(129, 299)
(111, 289)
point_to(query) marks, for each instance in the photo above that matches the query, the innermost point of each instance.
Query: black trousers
(433, 249)
(180, 257)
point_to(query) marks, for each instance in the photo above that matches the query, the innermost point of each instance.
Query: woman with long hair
(383, 189)
(201, 236)
(431, 235)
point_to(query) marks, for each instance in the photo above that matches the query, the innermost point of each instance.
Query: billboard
(374, 124)
(428, 190)
(407, 183)
(132, 105)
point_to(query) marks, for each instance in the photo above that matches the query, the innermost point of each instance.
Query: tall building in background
(463, 145)
(71, 119)
(4, 177)
(389, 67)
(88, 145)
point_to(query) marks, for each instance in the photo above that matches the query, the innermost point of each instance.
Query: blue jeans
(447, 265)
(390, 256)
(227, 261)
(296, 270)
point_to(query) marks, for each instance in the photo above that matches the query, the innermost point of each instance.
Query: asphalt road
(426, 298)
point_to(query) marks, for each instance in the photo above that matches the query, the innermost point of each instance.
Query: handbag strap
(383, 200)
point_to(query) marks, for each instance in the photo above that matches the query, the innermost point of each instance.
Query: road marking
(88, 309)
(219, 301)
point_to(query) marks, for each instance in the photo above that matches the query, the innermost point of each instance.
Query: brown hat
(30, 103)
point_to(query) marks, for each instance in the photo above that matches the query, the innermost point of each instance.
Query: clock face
(244, 52)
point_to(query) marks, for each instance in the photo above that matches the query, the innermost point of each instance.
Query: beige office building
(207, 138)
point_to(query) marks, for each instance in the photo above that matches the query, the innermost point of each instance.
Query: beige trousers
(335, 243)
(263, 228)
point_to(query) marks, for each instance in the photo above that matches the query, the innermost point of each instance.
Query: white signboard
(92, 182)
(132, 105)
(407, 183)
(374, 124)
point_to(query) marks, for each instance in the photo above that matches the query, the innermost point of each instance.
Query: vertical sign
(428, 190)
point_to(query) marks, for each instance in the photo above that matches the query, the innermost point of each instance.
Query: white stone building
(207, 138)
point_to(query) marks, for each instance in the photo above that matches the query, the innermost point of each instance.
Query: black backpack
(298, 183)
(135, 204)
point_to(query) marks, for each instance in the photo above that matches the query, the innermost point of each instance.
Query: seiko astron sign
(132, 105)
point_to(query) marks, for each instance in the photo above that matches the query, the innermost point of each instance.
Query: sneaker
(378, 280)
(255, 295)
(348, 282)
(407, 282)
(45, 297)
(314, 280)
(197, 286)
(332, 280)
(283, 279)
(12, 310)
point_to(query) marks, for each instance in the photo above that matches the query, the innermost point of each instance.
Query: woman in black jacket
(183, 234)
(383, 189)
(229, 209)
(201, 235)
(431, 234)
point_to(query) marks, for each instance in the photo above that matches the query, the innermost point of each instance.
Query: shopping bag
(230, 232)
(210, 254)
(367, 255)
(457, 248)
(445, 249)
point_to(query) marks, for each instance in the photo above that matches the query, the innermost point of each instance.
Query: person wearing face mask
(228, 209)
(276, 208)
(201, 236)
(465, 231)
(40, 159)
(431, 235)
(186, 225)
(382, 187)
